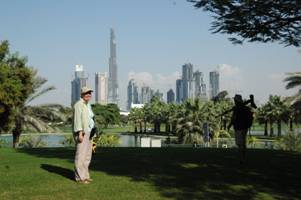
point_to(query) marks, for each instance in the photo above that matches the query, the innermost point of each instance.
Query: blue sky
(154, 39)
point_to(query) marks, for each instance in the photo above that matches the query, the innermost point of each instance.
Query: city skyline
(57, 35)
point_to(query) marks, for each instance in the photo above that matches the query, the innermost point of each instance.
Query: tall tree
(256, 20)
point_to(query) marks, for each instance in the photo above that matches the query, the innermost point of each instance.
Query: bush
(31, 142)
(290, 141)
(3, 143)
(107, 140)
(251, 141)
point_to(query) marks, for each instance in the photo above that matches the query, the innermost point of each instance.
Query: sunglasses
(88, 93)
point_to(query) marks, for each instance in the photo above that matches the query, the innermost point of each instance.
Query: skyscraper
(77, 83)
(101, 88)
(179, 91)
(146, 94)
(213, 83)
(133, 95)
(200, 86)
(187, 81)
(170, 96)
(113, 96)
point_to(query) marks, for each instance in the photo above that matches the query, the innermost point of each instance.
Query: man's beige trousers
(83, 158)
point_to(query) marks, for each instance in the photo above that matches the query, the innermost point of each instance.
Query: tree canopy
(15, 83)
(256, 20)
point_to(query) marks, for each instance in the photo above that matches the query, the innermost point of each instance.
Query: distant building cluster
(191, 85)
(142, 96)
(106, 86)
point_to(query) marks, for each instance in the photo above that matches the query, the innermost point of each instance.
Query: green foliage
(30, 141)
(68, 141)
(291, 141)
(256, 20)
(107, 140)
(106, 115)
(3, 143)
(251, 141)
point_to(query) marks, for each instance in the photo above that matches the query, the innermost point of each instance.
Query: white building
(101, 88)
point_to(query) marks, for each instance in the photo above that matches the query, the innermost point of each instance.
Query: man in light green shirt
(82, 125)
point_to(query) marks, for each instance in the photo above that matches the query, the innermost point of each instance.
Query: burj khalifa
(113, 96)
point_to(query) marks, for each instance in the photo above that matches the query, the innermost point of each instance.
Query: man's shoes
(83, 181)
(89, 180)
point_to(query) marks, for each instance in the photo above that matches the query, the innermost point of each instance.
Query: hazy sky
(154, 39)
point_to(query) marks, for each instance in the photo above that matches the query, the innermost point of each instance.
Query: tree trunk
(159, 127)
(279, 127)
(140, 126)
(266, 128)
(144, 126)
(225, 124)
(271, 129)
(17, 132)
(136, 128)
(291, 125)
(155, 127)
(166, 127)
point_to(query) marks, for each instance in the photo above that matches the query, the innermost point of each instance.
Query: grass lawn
(163, 173)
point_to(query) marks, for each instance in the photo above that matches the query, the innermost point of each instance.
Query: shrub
(3, 143)
(107, 140)
(291, 141)
(68, 141)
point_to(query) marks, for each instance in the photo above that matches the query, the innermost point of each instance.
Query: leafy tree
(256, 20)
(17, 87)
(106, 115)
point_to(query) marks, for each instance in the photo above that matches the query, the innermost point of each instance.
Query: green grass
(164, 173)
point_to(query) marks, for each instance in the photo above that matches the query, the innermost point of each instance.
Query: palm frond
(36, 95)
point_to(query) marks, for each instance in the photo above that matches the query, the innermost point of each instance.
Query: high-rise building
(146, 94)
(159, 95)
(113, 96)
(77, 83)
(101, 88)
(187, 81)
(213, 83)
(170, 96)
(133, 95)
(179, 91)
(200, 86)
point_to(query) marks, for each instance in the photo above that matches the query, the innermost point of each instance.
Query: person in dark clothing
(242, 119)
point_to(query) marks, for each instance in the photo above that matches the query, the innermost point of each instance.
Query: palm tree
(276, 111)
(134, 118)
(262, 118)
(156, 115)
(294, 81)
(22, 114)
(189, 125)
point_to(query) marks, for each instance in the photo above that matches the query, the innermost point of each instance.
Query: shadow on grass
(67, 173)
(183, 173)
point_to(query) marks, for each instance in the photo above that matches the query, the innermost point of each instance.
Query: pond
(55, 140)
(125, 140)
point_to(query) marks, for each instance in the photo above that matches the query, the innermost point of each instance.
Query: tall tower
(113, 96)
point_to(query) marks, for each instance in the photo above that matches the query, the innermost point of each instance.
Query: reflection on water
(55, 140)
